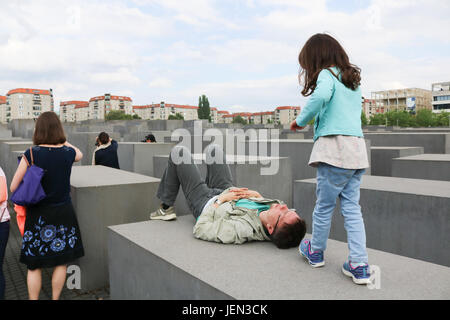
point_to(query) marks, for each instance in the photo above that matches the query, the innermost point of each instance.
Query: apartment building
(286, 114)
(220, 114)
(409, 99)
(440, 97)
(228, 118)
(262, 117)
(82, 112)
(68, 110)
(24, 103)
(214, 115)
(164, 110)
(370, 108)
(3, 109)
(100, 106)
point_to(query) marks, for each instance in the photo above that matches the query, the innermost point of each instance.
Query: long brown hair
(322, 51)
(48, 129)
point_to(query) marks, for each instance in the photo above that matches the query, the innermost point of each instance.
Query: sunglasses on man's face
(283, 213)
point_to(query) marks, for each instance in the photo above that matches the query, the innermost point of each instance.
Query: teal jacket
(336, 108)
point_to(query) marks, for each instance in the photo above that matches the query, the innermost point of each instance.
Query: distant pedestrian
(51, 236)
(339, 151)
(106, 152)
(4, 228)
(150, 138)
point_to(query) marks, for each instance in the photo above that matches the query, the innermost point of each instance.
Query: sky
(242, 54)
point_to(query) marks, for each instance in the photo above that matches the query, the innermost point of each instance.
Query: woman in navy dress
(51, 237)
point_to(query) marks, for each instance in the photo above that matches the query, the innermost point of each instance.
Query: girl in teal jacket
(339, 151)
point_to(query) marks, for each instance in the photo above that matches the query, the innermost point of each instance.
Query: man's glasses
(283, 213)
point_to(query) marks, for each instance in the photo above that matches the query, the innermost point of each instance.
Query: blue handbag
(30, 190)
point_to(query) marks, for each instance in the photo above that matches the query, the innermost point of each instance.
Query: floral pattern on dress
(47, 237)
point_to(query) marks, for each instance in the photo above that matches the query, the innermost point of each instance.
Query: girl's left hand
(294, 126)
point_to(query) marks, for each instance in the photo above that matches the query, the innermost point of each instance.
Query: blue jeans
(4, 234)
(334, 182)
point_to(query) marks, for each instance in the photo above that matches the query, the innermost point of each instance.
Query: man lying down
(224, 213)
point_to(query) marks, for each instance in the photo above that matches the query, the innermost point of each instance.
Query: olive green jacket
(231, 224)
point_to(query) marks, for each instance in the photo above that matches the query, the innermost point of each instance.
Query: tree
(363, 118)
(442, 119)
(177, 116)
(377, 119)
(239, 119)
(424, 118)
(120, 115)
(203, 108)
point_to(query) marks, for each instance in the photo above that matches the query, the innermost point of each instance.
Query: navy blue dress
(52, 236)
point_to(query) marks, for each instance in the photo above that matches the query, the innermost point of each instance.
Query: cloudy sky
(241, 53)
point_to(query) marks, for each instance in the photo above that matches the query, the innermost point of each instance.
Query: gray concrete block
(102, 197)
(431, 142)
(162, 260)
(298, 150)
(381, 158)
(423, 166)
(138, 156)
(5, 132)
(409, 217)
(6, 148)
(247, 172)
(22, 128)
(85, 141)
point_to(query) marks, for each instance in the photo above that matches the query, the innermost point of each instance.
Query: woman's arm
(18, 176)
(321, 95)
(3, 189)
(78, 153)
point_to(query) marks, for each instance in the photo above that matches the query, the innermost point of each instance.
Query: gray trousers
(187, 174)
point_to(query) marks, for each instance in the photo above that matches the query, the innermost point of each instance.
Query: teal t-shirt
(252, 205)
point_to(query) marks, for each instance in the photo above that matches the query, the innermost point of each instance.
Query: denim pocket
(337, 177)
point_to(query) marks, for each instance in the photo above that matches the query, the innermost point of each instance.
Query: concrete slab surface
(162, 260)
(403, 216)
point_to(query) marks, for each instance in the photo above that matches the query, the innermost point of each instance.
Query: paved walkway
(16, 275)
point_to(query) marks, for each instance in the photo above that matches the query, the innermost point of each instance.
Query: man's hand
(239, 193)
(294, 126)
(250, 194)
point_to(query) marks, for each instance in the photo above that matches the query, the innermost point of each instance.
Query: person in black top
(149, 138)
(106, 152)
(52, 237)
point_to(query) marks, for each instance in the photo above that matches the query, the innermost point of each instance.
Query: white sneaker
(161, 214)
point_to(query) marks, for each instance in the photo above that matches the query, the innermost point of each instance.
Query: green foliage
(177, 116)
(203, 110)
(423, 118)
(239, 119)
(311, 122)
(363, 118)
(378, 119)
(120, 115)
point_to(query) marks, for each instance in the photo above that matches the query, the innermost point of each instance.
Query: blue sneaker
(360, 273)
(315, 258)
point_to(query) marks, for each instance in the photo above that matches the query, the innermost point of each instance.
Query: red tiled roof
(142, 107)
(112, 98)
(2, 99)
(287, 108)
(242, 114)
(225, 112)
(167, 105)
(262, 113)
(78, 104)
(28, 91)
